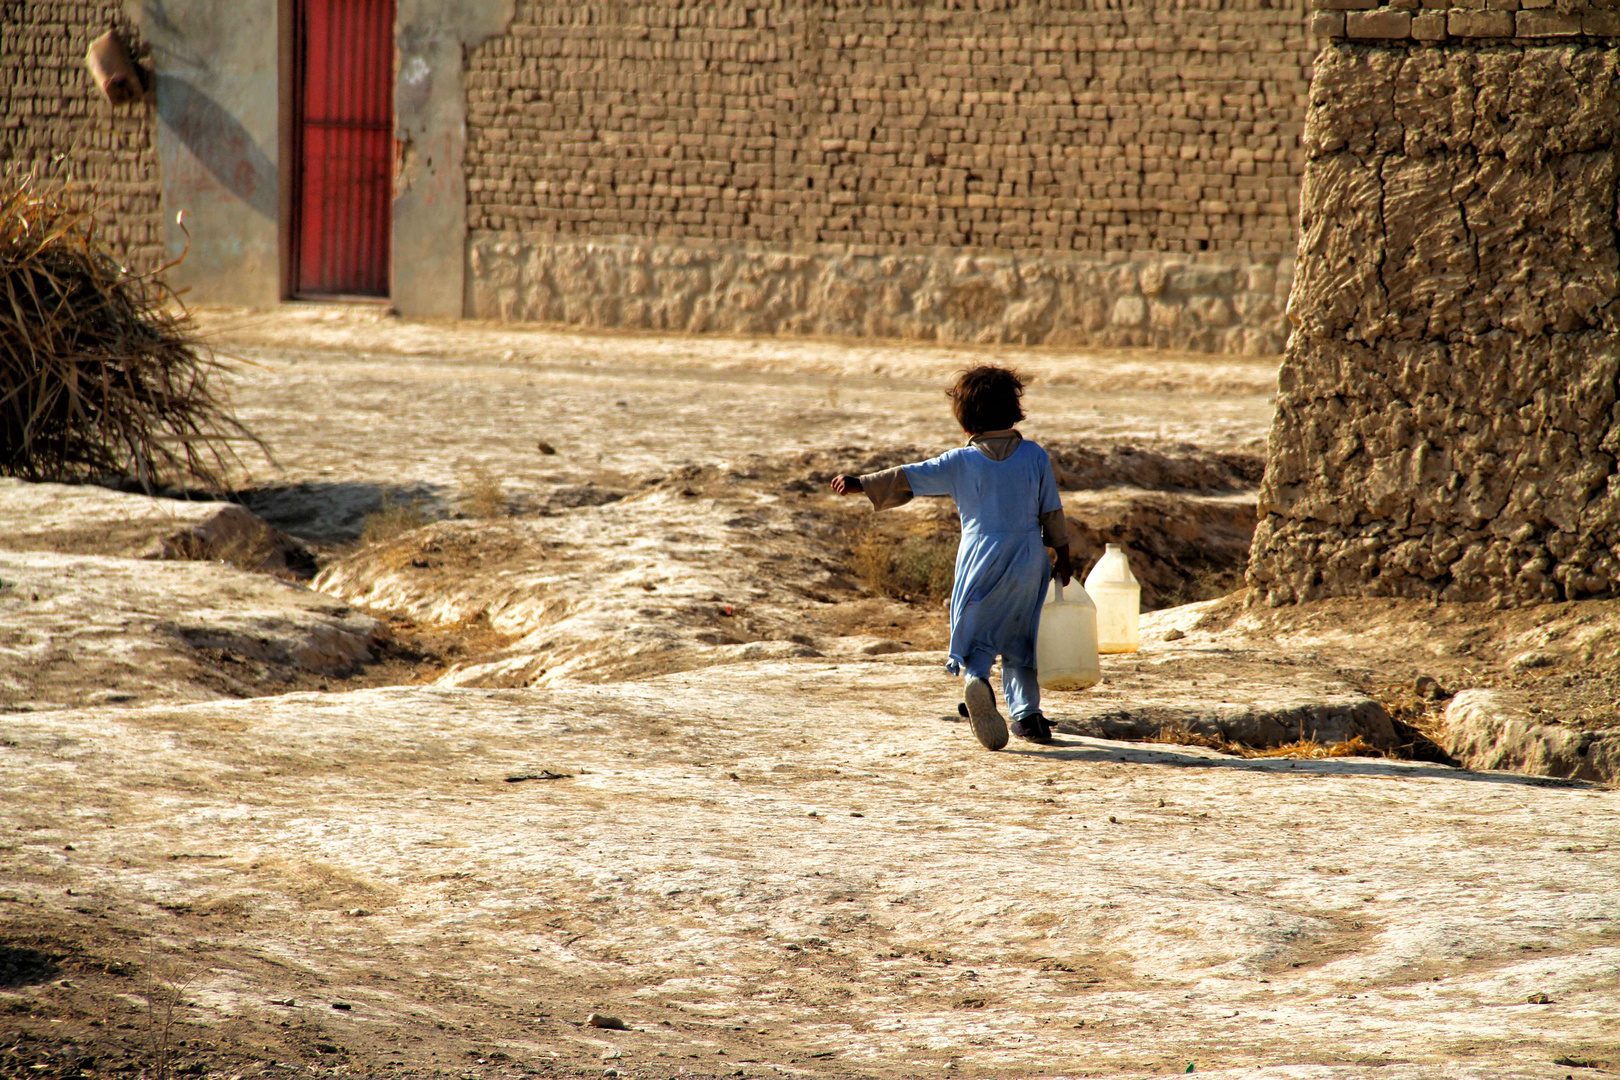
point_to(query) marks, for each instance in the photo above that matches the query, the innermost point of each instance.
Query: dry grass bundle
(101, 370)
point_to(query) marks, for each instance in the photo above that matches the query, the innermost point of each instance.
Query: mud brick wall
(54, 123)
(1090, 171)
(1447, 423)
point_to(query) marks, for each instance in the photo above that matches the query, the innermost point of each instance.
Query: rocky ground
(542, 676)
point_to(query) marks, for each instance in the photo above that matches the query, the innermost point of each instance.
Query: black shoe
(988, 726)
(1033, 728)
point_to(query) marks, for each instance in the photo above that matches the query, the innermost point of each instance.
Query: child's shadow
(1083, 750)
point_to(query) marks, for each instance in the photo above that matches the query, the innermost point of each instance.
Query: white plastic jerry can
(1118, 596)
(1066, 644)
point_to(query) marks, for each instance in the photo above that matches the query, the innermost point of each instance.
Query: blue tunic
(1001, 564)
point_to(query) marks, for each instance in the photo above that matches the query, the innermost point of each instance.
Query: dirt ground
(669, 742)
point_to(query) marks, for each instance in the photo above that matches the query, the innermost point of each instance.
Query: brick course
(996, 127)
(55, 124)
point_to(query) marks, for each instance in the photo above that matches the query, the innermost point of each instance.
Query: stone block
(1480, 24)
(1384, 24)
(1327, 24)
(1533, 24)
(1601, 23)
(1429, 26)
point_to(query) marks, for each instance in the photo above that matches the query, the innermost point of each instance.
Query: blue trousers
(1018, 684)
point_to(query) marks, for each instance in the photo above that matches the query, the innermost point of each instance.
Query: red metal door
(345, 146)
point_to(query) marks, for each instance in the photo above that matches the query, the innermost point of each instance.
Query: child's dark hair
(985, 398)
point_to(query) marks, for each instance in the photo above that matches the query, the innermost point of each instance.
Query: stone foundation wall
(1166, 302)
(54, 124)
(1447, 424)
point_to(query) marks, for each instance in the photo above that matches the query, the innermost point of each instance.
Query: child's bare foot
(1035, 728)
(988, 726)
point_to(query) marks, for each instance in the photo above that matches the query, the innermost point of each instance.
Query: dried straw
(102, 372)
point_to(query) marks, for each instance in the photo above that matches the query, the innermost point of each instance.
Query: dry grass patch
(1301, 749)
(245, 549)
(394, 519)
(482, 495)
(906, 559)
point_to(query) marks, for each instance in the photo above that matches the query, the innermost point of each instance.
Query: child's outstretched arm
(895, 487)
(886, 488)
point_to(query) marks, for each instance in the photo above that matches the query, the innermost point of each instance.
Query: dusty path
(785, 858)
(410, 409)
(801, 869)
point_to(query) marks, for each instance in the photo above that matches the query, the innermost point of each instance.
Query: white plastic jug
(1119, 601)
(1066, 644)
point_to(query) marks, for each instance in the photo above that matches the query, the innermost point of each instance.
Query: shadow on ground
(335, 512)
(25, 967)
(1074, 750)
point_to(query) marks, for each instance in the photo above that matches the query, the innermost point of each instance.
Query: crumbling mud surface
(1534, 689)
(797, 867)
(1447, 424)
(86, 519)
(94, 630)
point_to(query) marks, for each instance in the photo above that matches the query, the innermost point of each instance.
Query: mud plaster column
(1446, 423)
(430, 124)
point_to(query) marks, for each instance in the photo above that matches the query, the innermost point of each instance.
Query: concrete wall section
(217, 91)
(1152, 299)
(430, 190)
(56, 126)
(1449, 414)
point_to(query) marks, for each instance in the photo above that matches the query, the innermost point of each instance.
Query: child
(1007, 497)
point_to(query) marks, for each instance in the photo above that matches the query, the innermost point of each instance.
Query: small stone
(357, 912)
(1531, 661)
(342, 1006)
(1429, 689)
(546, 448)
(602, 1020)
(611, 1054)
(1174, 634)
(1538, 999)
(1112, 820)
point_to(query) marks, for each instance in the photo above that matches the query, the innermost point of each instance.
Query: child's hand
(844, 484)
(1062, 567)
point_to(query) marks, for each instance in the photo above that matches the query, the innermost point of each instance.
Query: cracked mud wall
(1447, 423)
